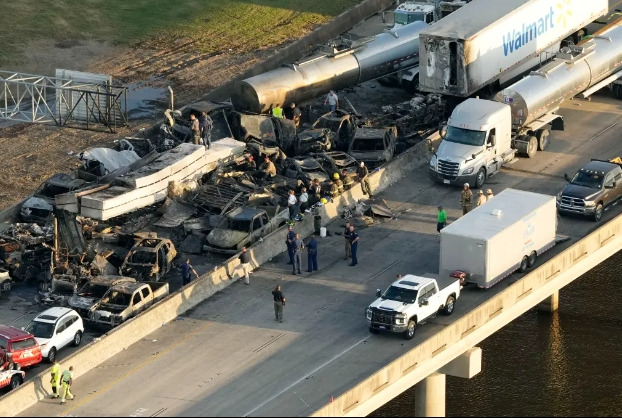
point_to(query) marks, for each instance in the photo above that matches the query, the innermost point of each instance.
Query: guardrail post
(550, 304)
(430, 396)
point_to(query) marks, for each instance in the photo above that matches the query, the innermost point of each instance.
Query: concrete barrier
(126, 334)
(463, 334)
(304, 45)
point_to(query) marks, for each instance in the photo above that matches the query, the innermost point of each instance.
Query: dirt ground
(31, 153)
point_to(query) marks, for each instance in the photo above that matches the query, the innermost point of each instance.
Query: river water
(568, 363)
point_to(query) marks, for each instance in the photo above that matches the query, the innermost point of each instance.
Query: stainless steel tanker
(365, 59)
(568, 75)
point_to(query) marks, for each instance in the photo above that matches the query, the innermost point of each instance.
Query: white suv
(55, 329)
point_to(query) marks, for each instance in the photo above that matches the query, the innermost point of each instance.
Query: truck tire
(527, 145)
(374, 330)
(16, 381)
(449, 305)
(617, 91)
(411, 86)
(531, 260)
(543, 139)
(480, 178)
(524, 264)
(598, 213)
(410, 331)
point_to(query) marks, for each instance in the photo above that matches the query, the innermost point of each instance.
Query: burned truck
(149, 259)
(93, 291)
(374, 146)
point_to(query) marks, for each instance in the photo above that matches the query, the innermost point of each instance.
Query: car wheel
(532, 259)
(374, 330)
(52, 355)
(543, 139)
(16, 381)
(524, 264)
(77, 339)
(480, 178)
(410, 331)
(449, 305)
(598, 213)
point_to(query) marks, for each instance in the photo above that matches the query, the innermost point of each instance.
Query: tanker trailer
(365, 59)
(484, 135)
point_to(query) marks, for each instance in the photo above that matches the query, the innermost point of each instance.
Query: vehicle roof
(410, 281)
(599, 166)
(243, 213)
(473, 17)
(204, 106)
(128, 288)
(53, 314)
(370, 133)
(478, 112)
(109, 280)
(11, 333)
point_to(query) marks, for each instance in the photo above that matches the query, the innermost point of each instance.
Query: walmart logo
(529, 31)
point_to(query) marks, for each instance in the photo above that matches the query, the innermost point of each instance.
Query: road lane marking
(134, 370)
(267, 401)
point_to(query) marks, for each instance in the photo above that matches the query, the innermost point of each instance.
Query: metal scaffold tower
(63, 101)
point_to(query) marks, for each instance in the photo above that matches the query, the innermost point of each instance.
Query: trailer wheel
(410, 331)
(374, 330)
(617, 91)
(532, 259)
(411, 86)
(543, 139)
(527, 145)
(524, 264)
(449, 305)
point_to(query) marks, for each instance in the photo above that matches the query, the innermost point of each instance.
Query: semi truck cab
(477, 142)
(411, 11)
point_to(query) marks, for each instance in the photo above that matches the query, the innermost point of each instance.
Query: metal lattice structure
(50, 100)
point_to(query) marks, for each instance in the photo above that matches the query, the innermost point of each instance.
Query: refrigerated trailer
(487, 43)
(505, 234)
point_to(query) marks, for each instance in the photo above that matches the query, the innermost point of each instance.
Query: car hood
(581, 192)
(225, 238)
(389, 305)
(452, 151)
(369, 155)
(42, 341)
(81, 302)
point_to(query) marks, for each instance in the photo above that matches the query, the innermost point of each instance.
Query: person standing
(206, 125)
(348, 181)
(67, 382)
(304, 200)
(277, 111)
(316, 190)
(489, 195)
(279, 303)
(312, 254)
(292, 205)
(442, 219)
(481, 199)
(466, 199)
(346, 235)
(363, 174)
(354, 243)
(289, 241)
(196, 129)
(293, 113)
(297, 248)
(338, 182)
(186, 268)
(245, 260)
(333, 190)
(55, 381)
(333, 100)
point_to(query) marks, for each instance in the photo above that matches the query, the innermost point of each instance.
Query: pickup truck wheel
(524, 264)
(543, 139)
(16, 381)
(531, 260)
(480, 178)
(598, 213)
(374, 330)
(51, 355)
(77, 339)
(410, 331)
(449, 305)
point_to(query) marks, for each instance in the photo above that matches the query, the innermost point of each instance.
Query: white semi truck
(503, 235)
(488, 43)
(483, 135)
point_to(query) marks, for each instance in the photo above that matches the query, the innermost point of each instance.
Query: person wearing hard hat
(338, 182)
(348, 181)
(489, 195)
(363, 174)
(333, 189)
(481, 199)
(466, 199)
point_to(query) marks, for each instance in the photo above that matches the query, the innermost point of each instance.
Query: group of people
(295, 246)
(466, 198)
(292, 113)
(61, 382)
(201, 128)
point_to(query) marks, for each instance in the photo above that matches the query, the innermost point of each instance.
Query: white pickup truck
(410, 301)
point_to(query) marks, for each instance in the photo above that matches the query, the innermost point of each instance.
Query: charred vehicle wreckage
(103, 238)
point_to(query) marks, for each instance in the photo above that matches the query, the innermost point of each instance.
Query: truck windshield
(465, 136)
(400, 294)
(587, 179)
(404, 18)
(243, 225)
(93, 290)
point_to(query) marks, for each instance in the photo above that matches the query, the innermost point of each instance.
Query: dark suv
(596, 185)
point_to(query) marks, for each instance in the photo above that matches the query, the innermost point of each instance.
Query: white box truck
(488, 43)
(505, 234)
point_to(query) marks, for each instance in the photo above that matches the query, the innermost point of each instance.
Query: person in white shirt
(304, 200)
(333, 100)
(292, 205)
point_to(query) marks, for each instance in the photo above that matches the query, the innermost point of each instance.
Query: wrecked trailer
(373, 146)
(40, 205)
(149, 259)
(270, 131)
(92, 292)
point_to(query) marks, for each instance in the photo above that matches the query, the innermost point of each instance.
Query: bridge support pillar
(550, 304)
(430, 396)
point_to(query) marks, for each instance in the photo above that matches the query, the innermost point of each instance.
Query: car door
(145, 297)
(609, 194)
(425, 310)
(137, 303)
(617, 180)
(60, 338)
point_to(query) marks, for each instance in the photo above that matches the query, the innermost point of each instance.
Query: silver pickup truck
(409, 301)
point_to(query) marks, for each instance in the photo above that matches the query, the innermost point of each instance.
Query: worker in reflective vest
(277, 111)
(55, 381)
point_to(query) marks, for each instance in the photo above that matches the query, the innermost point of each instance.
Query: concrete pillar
(430, 396)
(550, 304)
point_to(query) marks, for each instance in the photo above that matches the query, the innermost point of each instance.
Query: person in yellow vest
(277, 111)
(55, 381)
(67, 381)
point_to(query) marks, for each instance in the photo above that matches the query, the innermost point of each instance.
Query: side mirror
(610, 186)
(378, 292)
(566, 177)
(442, 131)
(492, 140)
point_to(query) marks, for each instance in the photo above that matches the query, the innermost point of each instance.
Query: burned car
(335, 162)
(149, 259)
(342, 124)
(92, 292)
(374, 146)
(305, 170)
(38, 207)
(314, 140)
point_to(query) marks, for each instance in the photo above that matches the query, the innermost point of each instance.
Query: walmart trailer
(505, 234)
